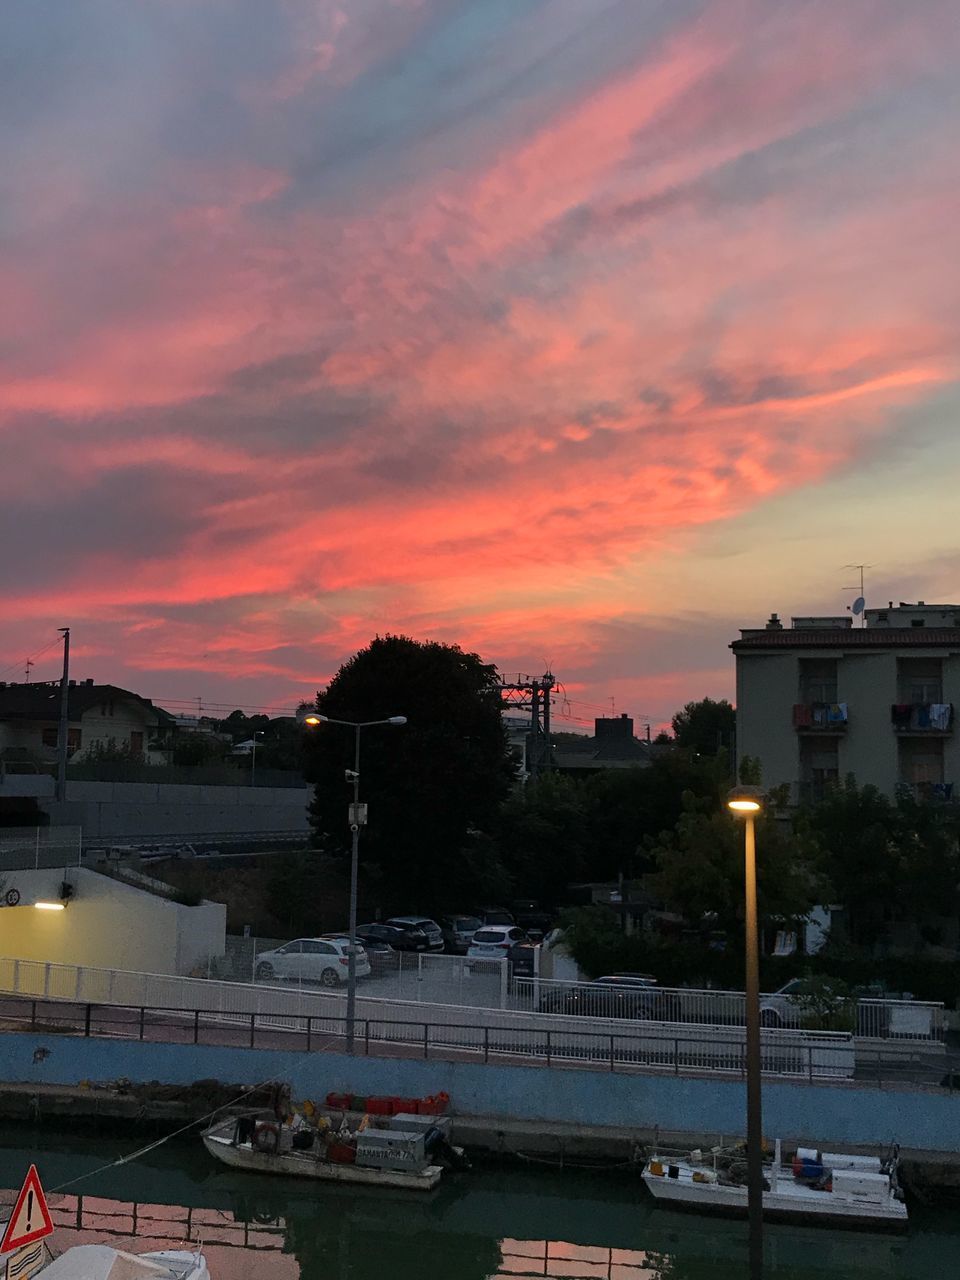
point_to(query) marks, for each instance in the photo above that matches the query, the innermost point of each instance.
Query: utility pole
(533, 695)
(63, 731)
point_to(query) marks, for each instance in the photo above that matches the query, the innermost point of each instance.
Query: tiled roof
(846, 638)
(41, 701)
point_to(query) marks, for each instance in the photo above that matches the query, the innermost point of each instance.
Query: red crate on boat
(339, 1101)
(405, 1106)
(380, 1106)
(434, 1106)
(341, 1153)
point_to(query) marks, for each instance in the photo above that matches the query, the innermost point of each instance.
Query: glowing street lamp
(746, 803)
(357, 815)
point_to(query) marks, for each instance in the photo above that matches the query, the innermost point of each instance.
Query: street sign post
(30, 1220)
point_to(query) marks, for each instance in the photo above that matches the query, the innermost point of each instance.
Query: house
(823, 698)
(612, 746)
(98, 715)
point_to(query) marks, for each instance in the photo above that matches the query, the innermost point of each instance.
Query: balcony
(820, 717)
(924, 718)
(931, 792)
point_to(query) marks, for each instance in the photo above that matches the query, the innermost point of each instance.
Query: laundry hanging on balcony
(941, 713)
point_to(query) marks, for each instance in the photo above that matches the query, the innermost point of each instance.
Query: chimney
(774, 624)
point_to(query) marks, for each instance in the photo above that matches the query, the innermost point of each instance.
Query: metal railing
(920, 1021)
(699, 1050)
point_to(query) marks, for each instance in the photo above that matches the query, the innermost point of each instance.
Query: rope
(152, 1146)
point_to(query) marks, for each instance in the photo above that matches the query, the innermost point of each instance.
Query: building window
(920, 680)
(921, 762)
(818, 680)
(50, 737)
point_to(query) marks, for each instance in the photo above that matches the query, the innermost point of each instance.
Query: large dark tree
(706, 727)
(431, 785)
(887, 861)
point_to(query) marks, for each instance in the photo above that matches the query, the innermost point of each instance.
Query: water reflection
(490, 1224)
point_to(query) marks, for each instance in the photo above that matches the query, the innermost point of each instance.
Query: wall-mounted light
(66, 893)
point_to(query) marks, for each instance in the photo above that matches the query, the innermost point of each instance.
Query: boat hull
(293, 1164)
(811, 1209)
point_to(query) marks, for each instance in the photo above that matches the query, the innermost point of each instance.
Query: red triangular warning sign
(30, 1219)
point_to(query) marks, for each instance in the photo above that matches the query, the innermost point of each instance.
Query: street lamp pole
(354, 876)
(357, 815)
(745, 802)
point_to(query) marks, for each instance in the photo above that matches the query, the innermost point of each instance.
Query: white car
(493, 942)
(323, 960)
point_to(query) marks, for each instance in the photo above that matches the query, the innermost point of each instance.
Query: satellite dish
(858, 605)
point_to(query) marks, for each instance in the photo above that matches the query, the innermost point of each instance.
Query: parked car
(604, 1000)
(458, 932)
(383, 958)
(818, 1003)
(532, 918)
(495, 915)
(424, 933)
(494, 942)
(322, 960)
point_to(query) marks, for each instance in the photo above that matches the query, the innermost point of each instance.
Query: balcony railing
(922, 717)
(820, 717)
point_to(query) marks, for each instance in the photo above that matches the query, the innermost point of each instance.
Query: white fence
(40, 847)
(429, 978)
(548, 1038)
(912, 1021)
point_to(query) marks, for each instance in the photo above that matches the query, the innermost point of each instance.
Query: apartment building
(824, 698)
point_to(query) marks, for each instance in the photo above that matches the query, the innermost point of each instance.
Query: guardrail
(918, 1021)
(784, 1054)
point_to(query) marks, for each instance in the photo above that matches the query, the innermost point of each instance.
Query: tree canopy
(432, 784)
(705, 727)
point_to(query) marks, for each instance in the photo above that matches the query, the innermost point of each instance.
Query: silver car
(323, 960)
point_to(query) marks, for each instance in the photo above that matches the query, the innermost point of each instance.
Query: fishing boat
(102, 1262)
(408, 1151)
(816, 1188)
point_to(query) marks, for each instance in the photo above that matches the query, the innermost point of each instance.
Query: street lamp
(745, 802)
(358, 816)
(253, 757)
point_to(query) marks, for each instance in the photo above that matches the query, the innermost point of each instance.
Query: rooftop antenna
(859, 604)
(26, 671)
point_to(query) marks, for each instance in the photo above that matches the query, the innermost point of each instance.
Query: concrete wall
(767, 690)
(108, 924)
(816, 1115)
(867, 682)
(768, 687)
(118, 811)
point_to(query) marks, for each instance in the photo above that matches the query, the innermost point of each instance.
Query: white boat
(828, 1188)
(102, 1262)
(399, 1151)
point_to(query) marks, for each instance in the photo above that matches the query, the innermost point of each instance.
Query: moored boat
(103, 1262)
(406, 1151)
(828, 1189)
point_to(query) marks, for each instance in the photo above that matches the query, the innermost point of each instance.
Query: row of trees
(449, 829)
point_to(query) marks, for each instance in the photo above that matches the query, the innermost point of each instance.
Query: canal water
(570, 1224)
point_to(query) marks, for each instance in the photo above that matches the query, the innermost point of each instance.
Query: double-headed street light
(357, 814)
(745, 802)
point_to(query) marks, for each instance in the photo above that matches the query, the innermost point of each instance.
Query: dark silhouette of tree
(706, 727)
(431, 785)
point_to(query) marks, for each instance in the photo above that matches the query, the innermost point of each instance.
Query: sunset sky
(578, 332)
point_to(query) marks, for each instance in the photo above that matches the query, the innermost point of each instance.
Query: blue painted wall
(819, 1114)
